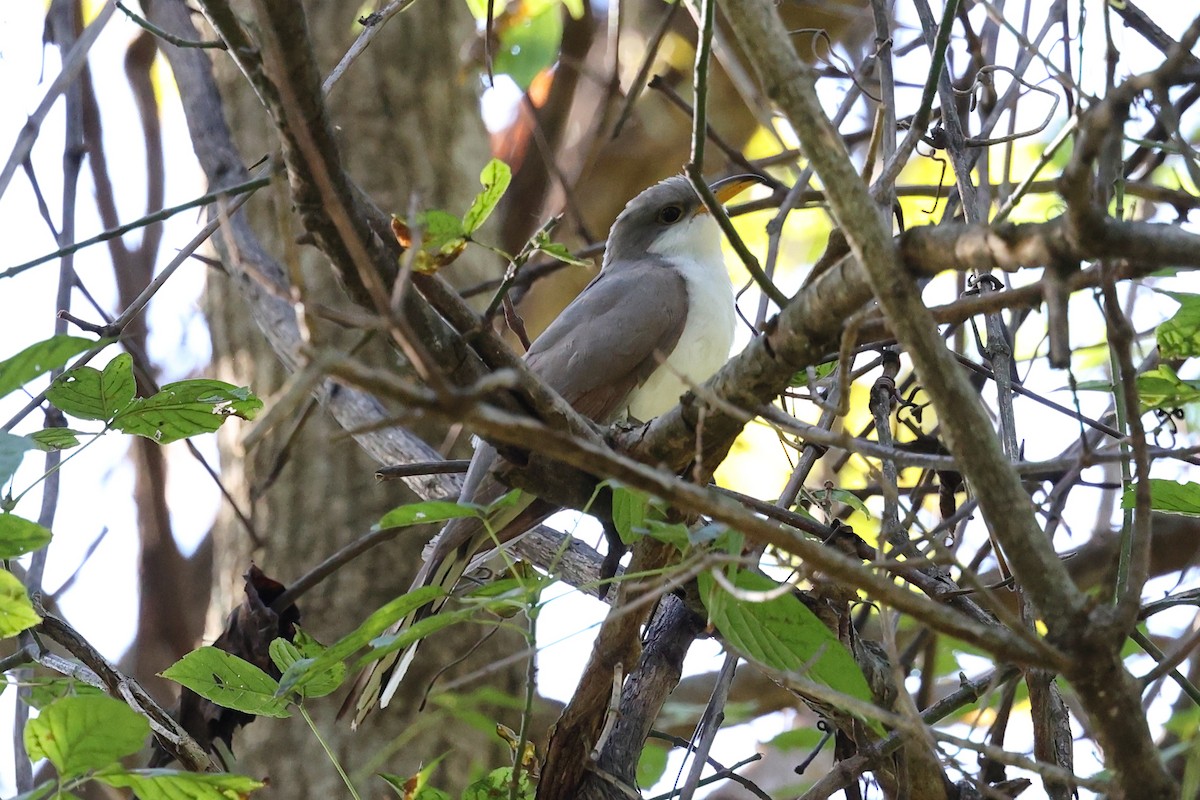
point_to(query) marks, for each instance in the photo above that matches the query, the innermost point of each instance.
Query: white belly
(703, 346)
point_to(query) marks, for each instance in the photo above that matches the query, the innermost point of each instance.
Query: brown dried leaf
(249, 631)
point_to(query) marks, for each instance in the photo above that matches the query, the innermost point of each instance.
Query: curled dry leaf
(249, 631)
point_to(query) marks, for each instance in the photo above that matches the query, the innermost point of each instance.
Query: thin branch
(1105, 687)
(596, 459)
(372, 25)
(450, 466)
(149, 219)
(168, 37)
(734, 155)
(140, 303)
(173, 738)
(710, 723)
(73, 61)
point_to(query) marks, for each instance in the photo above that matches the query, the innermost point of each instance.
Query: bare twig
(167, 731)
(73, 61)
(169, 38)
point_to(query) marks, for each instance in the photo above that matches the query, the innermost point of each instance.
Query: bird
(657, 319)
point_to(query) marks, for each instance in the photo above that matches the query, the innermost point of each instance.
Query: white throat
(694, 248)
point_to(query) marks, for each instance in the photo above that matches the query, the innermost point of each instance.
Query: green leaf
(495, 178)
(672, 533)
(559, 251)
(529, 43)
(307, 645)
(441, 231)
(500, 588)
(731, 542)
(16, 612)
(629, 509)
(1094, 386)
(497, 784)
(19, 536)
(425, 512)
(442, 239)
(1168, 496)
(520, 595)
(89, 393)
(843, 496)
(510, 499)
(79, 734)
(187, 408)
(535, 7)
(388, 643)
(38, 359)
(39, 791)
(430, 793)
(56, 438)
(505, 597)
(782, 634)
(821, 370)
(1179, 337)
(652, 763)
(283, 653)
(286, 655)
(170, 784)
(12, 452)
(45, 691)
(1161, 388)
(229, 681)
(296, 679)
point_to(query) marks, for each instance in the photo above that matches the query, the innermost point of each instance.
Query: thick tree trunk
(409, 120)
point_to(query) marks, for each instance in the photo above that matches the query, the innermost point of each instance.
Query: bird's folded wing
(601, 348)
(604, 345)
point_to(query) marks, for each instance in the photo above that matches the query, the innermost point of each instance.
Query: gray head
(669, 217)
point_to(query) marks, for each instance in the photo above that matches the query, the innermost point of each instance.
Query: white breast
(703, 347)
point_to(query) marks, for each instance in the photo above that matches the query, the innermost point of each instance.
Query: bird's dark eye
(669, 215)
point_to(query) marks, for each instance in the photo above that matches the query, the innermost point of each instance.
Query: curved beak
(728, 188)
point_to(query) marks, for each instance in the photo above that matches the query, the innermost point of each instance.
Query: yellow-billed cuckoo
(658, 318)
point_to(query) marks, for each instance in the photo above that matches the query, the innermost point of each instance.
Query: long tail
(453, 551)
(445, 561)
(379, 681)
